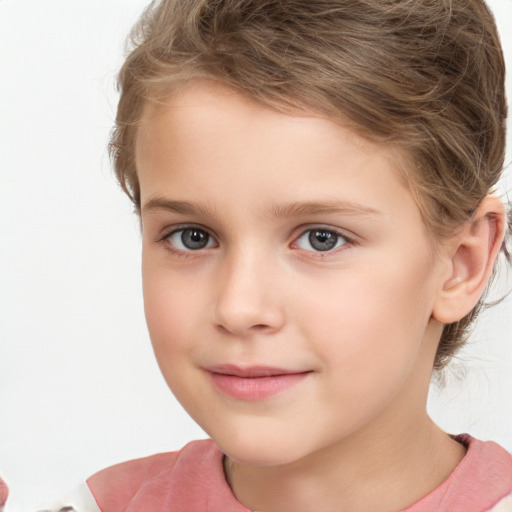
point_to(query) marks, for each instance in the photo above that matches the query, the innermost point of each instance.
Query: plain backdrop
(79, 386)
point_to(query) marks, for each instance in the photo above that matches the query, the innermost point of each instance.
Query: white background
(79, 387)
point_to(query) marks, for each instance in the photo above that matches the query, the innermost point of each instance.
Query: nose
(249, 296)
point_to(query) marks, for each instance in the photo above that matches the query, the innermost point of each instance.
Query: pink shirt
(3, 493)
(192, 479)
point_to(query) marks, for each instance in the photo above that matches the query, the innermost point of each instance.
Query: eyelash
(182, 253)
(185, 253)
(346, 241)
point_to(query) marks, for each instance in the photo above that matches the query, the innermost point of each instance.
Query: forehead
(188, 104)
(208, 137)
(217, 114)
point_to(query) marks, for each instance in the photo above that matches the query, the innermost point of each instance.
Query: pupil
(322, 240)
(194, 238)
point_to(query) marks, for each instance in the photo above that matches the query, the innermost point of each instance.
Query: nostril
(245, 328)
(257, 327)
(260, 327)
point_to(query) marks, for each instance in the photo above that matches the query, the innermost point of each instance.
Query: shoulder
(488, 472)
(486, 463)
(187, 479)
(482, 482)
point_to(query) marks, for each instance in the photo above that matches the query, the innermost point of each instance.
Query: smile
(253, 383)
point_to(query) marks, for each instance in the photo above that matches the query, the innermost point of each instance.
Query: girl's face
(288, 279)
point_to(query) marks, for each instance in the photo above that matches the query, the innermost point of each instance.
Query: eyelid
(163, 238)
(303, 230)
(168, 231)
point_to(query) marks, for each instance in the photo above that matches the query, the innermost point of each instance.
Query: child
(314, 185)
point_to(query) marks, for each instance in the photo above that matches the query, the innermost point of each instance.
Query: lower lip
(255, 388)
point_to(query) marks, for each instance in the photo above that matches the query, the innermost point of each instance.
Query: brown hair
(424, 75)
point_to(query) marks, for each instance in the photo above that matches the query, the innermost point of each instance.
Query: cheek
(170, 304)
(369, 323)
(171, 308)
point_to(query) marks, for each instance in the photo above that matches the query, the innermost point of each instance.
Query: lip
(253, 383)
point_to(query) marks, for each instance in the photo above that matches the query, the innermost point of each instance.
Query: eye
(321, 240)
(191, 239)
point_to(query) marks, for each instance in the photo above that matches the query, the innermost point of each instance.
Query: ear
(472, 259)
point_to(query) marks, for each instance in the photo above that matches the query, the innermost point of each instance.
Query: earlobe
(472, 261)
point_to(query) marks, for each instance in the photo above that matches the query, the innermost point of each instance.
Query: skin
(363, 319)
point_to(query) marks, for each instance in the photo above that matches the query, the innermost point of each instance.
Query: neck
(361, 473)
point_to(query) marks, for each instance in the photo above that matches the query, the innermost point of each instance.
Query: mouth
(253, 383)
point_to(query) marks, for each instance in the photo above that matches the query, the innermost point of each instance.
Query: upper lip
(251, 371)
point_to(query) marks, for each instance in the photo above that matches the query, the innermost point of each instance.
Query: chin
(261, 450)
(259, 457)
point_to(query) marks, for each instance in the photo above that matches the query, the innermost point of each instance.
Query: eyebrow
(300, 209)
(293, 209)
(181, 207)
